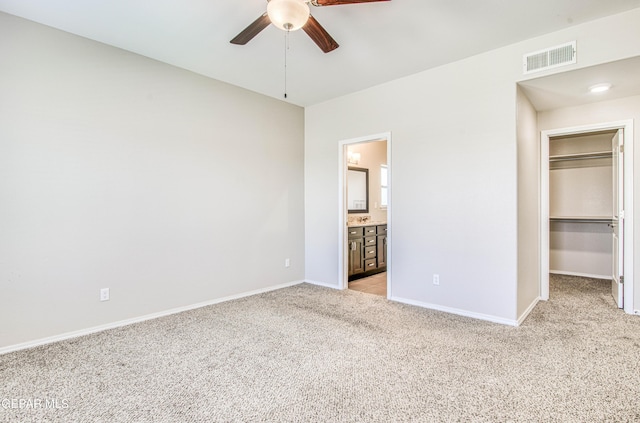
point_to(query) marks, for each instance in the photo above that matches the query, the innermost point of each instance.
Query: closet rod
(603, 155)
(580, 220)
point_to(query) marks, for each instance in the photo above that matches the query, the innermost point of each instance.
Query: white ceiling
(378, 41)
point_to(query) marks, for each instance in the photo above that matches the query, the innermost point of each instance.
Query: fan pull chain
(286, 48)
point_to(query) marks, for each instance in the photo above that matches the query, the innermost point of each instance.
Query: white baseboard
(584, 275)
(457, 311)
(326, 285)
(88, 331)
(528, 311)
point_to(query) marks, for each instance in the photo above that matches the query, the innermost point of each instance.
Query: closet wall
(580, 205)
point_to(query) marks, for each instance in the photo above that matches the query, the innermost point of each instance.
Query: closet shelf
(582, 219)
(582, 156)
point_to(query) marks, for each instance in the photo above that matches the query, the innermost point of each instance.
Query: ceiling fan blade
(319, 35)
(252, 30)
(337, 2)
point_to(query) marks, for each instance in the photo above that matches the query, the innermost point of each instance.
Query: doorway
(365, 214)
(586, 203)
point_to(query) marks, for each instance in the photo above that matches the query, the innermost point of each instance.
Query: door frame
(343, 265)
(627, 127)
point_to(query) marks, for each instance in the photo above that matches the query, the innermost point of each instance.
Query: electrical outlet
(104, 294)
(287, 262)
(436, 279)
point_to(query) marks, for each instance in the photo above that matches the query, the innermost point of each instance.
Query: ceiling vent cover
(553, 57)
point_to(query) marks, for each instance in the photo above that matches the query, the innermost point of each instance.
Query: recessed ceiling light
(600, 88)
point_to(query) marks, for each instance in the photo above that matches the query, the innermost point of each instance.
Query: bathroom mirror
(357, 190)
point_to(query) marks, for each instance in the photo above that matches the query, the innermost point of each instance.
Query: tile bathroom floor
(376, 284)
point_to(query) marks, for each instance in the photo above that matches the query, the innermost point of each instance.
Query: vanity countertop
(369, 223)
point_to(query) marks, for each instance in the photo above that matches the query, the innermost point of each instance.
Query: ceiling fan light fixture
(288, 15)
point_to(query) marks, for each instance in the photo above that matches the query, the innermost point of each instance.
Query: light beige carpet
(314, 354)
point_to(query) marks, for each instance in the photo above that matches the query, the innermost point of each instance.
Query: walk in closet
(581, 198)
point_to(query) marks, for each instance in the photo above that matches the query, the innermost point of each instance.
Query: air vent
(550, 58)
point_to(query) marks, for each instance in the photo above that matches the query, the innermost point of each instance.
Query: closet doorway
(586, 184)
(365, 214)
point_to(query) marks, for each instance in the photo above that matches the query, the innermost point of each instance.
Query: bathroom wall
(372, 155)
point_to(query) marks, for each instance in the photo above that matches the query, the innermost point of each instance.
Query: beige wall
(583, 249)
(528, 204)
(118, 171)
(453, 186)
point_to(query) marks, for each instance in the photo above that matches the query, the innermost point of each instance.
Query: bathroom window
(383, 186)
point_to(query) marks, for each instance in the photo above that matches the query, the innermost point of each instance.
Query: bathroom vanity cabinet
(367, 247)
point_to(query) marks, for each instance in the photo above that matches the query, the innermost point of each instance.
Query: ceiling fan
(290, 15)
